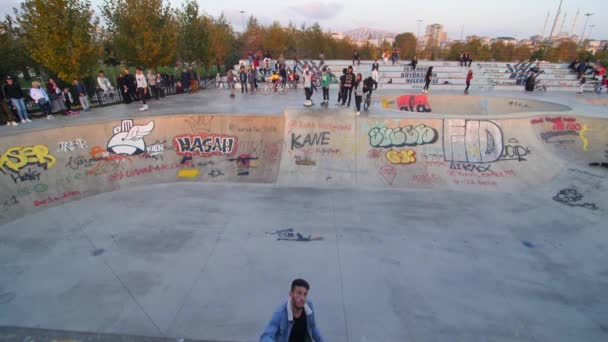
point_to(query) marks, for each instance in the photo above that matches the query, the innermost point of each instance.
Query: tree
(406, 42)
(13, 53)
(60, 35)
(194, 37)
(223, 42)
(565, 52)
(144, 32)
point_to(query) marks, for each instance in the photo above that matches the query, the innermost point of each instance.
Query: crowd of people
(68, 99)
(594, 70)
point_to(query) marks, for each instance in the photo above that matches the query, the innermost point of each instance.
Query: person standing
(151, 78)
(83, 98)
(121, 83)
(41, 98)
(5, 111)
(14, 92)
(142, 88)
(356, 57)
(469, 78)
(358, 86)
(193, 79)
(130, 84)
(294, 320)
(427, 80)
(307, 80)
(160, 85)
(375, 70)
(185, 78)
(321, 58)
(349, 80)
(251, 79)
(461, 59)
(283, 74)
(325, 83)
(243, 80)
(341, 86)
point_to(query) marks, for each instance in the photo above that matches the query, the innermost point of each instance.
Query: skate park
(481, 217)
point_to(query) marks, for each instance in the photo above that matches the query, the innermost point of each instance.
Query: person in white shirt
(41, 97)
(104, 84)
(142, 87)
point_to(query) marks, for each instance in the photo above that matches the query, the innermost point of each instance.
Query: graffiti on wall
(204, 145)
(15, 159)
(472, 141)
(72, 145)
(408, 103)
(519, 72)
(402, 136)
(244, 163)
(311, 139)
(128, 139)
(403, 157)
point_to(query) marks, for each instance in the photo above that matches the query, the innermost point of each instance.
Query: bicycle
(269, 86)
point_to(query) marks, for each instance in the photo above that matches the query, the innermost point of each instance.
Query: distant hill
(364, 33)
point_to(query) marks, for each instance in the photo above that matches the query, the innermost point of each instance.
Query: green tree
(223, 42)
(60, 36)
(13, 53)
(194, 37)
(143, 32)
(406, 42)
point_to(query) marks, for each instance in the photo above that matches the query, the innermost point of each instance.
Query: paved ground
(392, 265)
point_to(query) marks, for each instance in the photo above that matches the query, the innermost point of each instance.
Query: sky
(515, 18)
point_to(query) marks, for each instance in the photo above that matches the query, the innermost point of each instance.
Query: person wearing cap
(14, 92)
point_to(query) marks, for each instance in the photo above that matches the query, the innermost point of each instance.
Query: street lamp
(243, 18)
(580, 40)
(419, 22)
(590, 29)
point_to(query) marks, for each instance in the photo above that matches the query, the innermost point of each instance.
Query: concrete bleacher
(450, 75)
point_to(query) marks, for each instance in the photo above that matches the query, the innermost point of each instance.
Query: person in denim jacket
(294, 320)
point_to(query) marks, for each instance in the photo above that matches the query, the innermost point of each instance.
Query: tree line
(66, 39)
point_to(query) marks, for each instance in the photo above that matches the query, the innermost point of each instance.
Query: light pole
(419, 22)
(580, 40)
(590, 30)
(243, 19)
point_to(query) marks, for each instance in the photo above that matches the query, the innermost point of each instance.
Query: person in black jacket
(427, 80)
(5, 110)
(341, 86)
(375, 70)
(349, 82)
(15, 94)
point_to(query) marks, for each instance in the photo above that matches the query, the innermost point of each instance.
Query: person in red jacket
(469, 78)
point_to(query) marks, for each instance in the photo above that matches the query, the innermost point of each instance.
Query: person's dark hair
(299, 283)
(344, 71)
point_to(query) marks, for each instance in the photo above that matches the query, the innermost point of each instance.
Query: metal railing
(98, 98)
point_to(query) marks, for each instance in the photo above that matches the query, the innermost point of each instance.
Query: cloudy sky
(517, 18)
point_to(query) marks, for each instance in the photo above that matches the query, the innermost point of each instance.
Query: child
(179, 89)
(325, 82)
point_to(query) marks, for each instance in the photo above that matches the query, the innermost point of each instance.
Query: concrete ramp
(305, 148)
